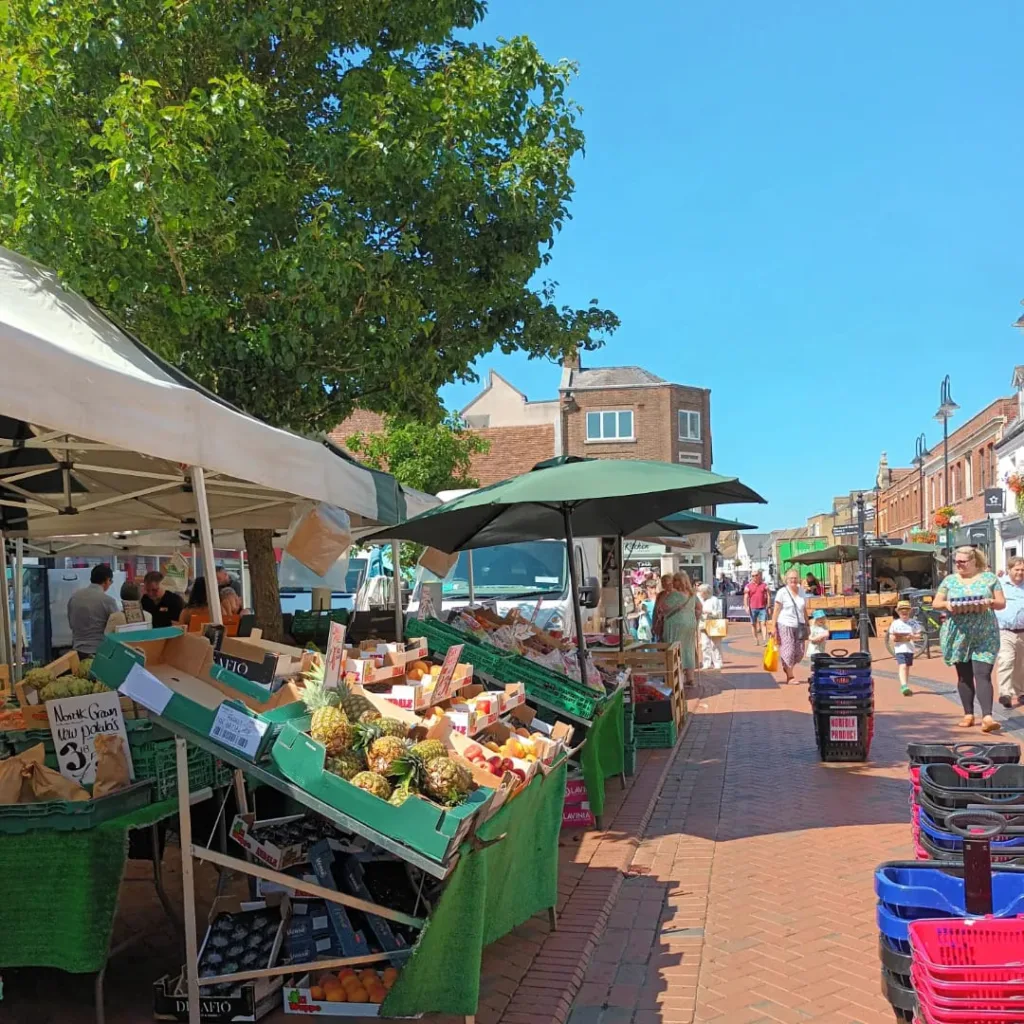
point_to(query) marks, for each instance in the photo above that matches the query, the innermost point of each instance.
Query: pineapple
(429, 750)
(393, 727)
(373, 783)
(329, 725)
(355, 704)
(382, 754)
(400, 794)
(347, 764)
(447, 781)
(369, 716)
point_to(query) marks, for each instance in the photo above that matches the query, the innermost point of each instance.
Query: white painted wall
(502, 405)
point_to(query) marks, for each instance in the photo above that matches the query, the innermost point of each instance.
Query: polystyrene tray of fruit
(418, 691)
(347, 993)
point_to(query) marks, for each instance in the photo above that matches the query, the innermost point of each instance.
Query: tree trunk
(266, 598)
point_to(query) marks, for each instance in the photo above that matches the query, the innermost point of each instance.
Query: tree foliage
(304, 205)
(431, 457)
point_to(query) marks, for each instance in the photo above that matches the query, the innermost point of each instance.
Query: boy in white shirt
(818, 637)
(902, 633)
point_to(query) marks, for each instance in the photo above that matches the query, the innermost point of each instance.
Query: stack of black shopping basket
(951, 934)
(842, 698)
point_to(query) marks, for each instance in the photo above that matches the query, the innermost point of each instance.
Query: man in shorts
(756, 596)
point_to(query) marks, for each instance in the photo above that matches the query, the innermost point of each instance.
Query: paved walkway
(750, 896)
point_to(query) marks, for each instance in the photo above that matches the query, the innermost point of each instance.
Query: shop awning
(97, 434)
(848, 553)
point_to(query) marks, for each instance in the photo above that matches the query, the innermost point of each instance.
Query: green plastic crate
(629, 759)
(314, 626)
(654, 735)
(73, 815)
(158, 762)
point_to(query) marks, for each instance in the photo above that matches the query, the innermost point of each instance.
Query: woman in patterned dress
(680, 617)
(970, 636)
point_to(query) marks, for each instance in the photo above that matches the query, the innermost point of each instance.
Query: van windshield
(529, 569)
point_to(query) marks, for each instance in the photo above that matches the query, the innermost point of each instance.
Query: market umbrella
(848, 552)
(565, 497)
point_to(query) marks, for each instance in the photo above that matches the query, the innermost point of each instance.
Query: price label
(235, 729)
(443, 689)
(335, 658)
(144, 688)
(842, 728)
(75, 722)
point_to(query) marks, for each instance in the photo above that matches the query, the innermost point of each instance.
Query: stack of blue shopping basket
(842, 696)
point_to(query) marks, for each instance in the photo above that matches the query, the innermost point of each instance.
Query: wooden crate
(840, 625)
(659, 660)
(882, 624)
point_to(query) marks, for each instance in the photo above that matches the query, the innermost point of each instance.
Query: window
(968, 476)
(611, 425)
(694, 458)
(689, 425)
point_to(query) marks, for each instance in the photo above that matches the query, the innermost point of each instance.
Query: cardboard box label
(234, 729)
(75, 722)
(144, 688)
(443, 688)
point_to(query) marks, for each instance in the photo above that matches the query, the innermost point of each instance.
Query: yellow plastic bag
(771, 656)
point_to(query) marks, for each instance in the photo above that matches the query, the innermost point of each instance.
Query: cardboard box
(298, 1000)
(267, 853)
(882, 624)
(840, 625)
(415, 695)
(353, 878)
(350, 941)
(578, 816)
(173, 674)
(262, 661)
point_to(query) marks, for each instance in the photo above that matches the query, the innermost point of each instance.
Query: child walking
(818, 637)
(902, 633)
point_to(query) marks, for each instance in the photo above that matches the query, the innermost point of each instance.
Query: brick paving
(750, 896)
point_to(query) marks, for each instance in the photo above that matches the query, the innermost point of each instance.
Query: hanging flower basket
(944, 516)
(924, 537)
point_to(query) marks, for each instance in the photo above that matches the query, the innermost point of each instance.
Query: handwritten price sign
(75, 722)
(443, 689)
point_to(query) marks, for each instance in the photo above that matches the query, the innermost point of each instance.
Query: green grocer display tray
(433, 831)
(173, 674)
(542, 684)
(73, 815)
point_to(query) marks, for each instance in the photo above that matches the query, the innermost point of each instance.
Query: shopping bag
(771, 656)
(716, 627)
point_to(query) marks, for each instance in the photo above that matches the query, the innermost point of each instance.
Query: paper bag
(24, 779)
(112, 772)
(318, 536)
(438, 562)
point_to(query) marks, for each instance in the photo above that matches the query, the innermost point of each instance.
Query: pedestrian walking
(657, 608)
(818, 637)
(903, 630)
(970, 635)
(710, 646)
(1010, 661)
(681, 613)
(755, 601)
(790, 625)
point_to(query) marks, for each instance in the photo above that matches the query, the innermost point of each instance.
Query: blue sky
(813, 209)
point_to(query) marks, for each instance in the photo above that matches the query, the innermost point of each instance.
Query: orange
(325, 979)
(357, 994)
(336, 994)
(389, 983)
(368, 974)
(377, 994)
(317, 993)
(346, 972)
(350, 983)
(390, 972)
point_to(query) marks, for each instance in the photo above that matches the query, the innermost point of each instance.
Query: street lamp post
(946, 409)
(920, 451)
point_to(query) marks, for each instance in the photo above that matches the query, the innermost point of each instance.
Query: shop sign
(637, 549)
(995, 500)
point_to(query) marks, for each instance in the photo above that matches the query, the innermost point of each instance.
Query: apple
(474, 753)
(506, 764)
(519, 772)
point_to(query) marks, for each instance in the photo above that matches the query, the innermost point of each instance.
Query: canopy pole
(470, 581)
(5, 612)
(19, 598)
(206, 542)
(396, 586)
(243, 577)
(570, 550)
(622, 606)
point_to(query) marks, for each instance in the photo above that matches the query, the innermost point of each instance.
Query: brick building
(972, 468)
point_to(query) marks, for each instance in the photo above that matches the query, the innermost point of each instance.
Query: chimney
(572, 360)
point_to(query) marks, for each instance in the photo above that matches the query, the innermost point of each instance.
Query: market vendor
(164, 606)
(88, 611)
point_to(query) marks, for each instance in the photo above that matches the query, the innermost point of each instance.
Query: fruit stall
(510, 650)
(459, 816)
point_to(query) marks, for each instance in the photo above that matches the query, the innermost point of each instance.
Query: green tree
(431, 457)
(306, 206)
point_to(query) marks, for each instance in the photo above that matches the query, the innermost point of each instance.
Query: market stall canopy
(97, 434)
(848, 553)
(604, 497)
(685, 524)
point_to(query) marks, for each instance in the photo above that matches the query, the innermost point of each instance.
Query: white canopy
(97, 434)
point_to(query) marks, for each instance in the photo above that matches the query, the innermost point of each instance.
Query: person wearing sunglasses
(970, 635)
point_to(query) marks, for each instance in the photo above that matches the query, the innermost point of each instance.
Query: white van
(519, 576)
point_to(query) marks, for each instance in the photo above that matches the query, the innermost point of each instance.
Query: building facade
(1009, 528)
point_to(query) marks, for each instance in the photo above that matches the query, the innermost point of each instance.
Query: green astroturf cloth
(603, 754)
(490, 892)
(58, 891)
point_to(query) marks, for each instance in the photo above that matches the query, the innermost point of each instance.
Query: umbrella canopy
(97, 432)
(848, 553)
(685, 524)
(603, 497)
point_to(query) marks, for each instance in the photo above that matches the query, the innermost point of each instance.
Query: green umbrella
(848, 553)
(569, 496)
